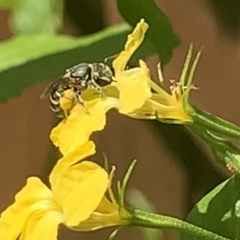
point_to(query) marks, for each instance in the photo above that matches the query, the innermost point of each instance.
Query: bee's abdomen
(55, 102)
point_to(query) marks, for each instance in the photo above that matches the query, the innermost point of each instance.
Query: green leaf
(26, 60)
(160, 31)
(218, 211)
(32, 17)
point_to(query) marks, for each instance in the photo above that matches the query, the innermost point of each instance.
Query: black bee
(78, 78)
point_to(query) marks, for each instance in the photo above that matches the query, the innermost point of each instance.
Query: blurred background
(174, 169)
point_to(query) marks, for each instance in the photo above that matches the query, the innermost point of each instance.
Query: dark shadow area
(201, 174)
(227, 14)
(86, 16)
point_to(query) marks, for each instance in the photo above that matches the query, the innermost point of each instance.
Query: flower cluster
(80, 195)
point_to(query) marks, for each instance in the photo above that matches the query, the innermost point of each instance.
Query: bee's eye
(80, 72)
(76, 80)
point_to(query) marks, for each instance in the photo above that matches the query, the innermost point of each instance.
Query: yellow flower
(135, 86)
(133, 93)
(171, 107)
(164, 106)
(76, 198)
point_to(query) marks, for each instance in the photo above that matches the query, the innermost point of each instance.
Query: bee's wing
(50, 88)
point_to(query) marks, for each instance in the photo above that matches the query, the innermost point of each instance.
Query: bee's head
(104, 75)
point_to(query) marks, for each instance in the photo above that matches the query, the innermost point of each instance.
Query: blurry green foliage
(34, 17)
(6, 4)
(36, 54)
(26, 60)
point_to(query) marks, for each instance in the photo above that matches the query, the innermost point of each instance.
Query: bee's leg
(79, 100)
(95, 86)
(65, 114)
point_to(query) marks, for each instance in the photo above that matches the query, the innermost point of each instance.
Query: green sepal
(208, 121)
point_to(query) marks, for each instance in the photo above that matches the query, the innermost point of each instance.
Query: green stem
(215, 124)
(151, 220)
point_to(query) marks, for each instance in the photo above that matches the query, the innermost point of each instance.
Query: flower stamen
(110, 192)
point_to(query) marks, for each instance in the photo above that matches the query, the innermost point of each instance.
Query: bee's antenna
(110, 57)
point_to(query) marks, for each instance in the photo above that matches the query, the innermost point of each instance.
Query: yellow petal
(79, 190)
(83, 200)
(5, 233)
(28, 200)
(134, 88)
(105, 215)
(79, 126)
(65, 162)
(133, 42)
(43, 227)
(106, 206)
(55, 133)
(34, 189)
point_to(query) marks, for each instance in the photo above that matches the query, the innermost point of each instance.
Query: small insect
(77, 79)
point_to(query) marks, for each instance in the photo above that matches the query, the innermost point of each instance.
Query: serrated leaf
(160, 32)
(26, 60)
(218, 211)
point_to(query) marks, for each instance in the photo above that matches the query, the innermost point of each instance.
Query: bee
(77, 79)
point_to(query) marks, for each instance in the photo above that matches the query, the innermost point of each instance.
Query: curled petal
(78, 127)
(133, 42)
(55, 134)
(65, 162)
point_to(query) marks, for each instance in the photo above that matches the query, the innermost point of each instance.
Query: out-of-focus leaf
(160, 31)
(26, 60)
(218, 211)
(6, 4)
(34, 17)
(138, 200)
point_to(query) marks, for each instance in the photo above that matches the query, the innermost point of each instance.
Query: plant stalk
(151, 220)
